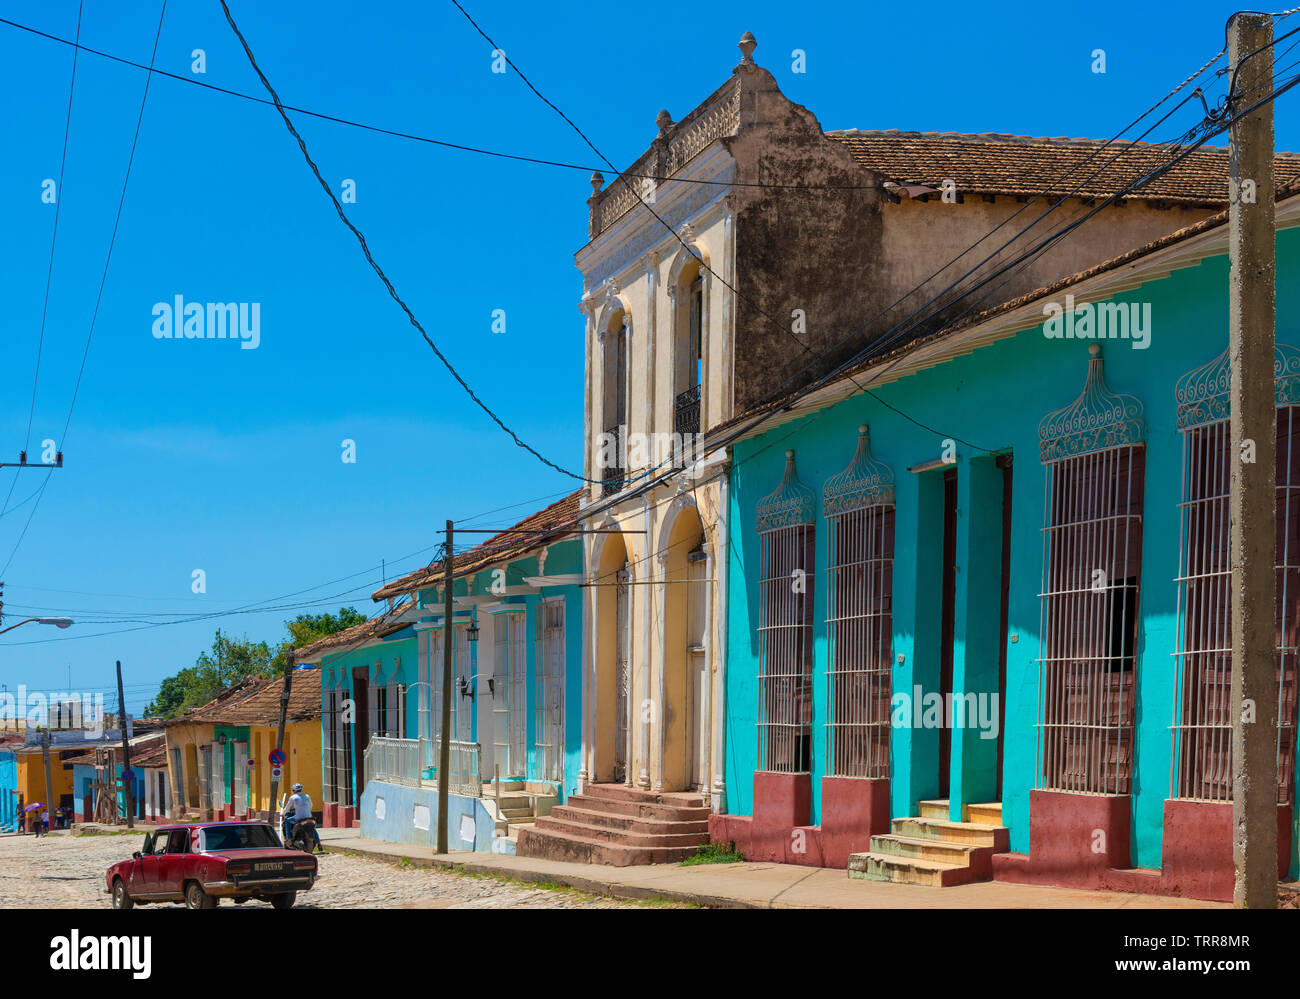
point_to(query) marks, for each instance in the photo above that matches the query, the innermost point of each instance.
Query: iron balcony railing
(612, 475)
(686, 415)
(408, 761)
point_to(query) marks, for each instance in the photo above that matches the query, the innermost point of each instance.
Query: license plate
(266, 867)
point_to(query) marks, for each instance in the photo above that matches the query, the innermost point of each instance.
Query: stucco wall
(994, 399)
(389, 813)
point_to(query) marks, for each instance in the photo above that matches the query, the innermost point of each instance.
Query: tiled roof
(356, 636)
(555, 521)
(149, 751)
(993, 163)
(261, 704)
(1284, 192)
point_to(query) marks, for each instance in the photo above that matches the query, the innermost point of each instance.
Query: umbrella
(32, 807)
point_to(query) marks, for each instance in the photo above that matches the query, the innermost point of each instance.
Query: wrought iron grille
(218, 785)
(612, 470)
(239, 779)
(1092, 557)
(1202, 752)
(686, 415)
(786, 532)
(859, 508)
(549, 724)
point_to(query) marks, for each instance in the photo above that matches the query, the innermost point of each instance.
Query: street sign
(277, 757)
(128, 776)
(275, 773)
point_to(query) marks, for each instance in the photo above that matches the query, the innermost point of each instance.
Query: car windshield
(243, 837)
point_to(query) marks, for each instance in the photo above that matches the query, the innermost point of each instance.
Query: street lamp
(58, 622)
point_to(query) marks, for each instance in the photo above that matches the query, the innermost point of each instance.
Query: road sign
(277, 757)
(275, 773)
(128, 776)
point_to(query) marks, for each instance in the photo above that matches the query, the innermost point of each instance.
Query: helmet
(297, 787)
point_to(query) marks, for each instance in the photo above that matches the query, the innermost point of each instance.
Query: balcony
(612, 476)
(686, 412)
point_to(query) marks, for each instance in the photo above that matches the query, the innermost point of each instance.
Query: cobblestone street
(63, 871)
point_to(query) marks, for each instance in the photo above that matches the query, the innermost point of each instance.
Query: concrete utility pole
(271, 810)
(128, 789)
(444, 750)
(1253, 490)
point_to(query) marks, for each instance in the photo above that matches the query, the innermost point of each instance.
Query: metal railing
(612, 476)
(686, 412)
(405, 761)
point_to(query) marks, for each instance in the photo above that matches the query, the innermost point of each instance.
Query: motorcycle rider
(297, 808)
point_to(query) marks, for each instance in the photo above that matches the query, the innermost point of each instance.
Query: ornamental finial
(747, 44)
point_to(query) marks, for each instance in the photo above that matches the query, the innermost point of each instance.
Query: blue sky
(200, 455)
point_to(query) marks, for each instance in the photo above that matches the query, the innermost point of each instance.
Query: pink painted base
(853, 810)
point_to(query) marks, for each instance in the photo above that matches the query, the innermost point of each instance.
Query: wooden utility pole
(49, 774)
(128, 789)
(444, 750)
(272, 810)
(1253, 489)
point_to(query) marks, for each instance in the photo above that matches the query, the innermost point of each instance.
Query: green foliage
(233, 660)
(715, 853)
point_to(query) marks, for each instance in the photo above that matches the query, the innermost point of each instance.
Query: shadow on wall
(400, 813)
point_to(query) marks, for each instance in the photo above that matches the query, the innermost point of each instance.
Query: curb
(592, 886)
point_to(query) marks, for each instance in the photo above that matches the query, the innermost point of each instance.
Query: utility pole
(49, 774)
(128, 791)
(444, 751)
(1253, 489)
(271, 810)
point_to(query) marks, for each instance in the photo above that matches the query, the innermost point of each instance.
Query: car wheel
(121, 900)
(285, 900)
(197, 898)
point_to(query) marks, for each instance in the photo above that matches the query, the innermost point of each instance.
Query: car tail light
(304, 865)
(241, 868)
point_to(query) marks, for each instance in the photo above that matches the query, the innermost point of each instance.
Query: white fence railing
(406, 761)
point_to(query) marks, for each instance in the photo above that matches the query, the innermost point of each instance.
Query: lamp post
(58, 622)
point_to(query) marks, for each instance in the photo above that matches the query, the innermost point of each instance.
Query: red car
(201, 863)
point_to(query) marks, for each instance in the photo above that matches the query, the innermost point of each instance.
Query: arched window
(785, 604)
(1092, 561)
(688, 353)
(612, 453)
(859, 508)
(1202, 750)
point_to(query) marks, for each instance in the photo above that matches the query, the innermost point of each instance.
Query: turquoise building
(978, 594)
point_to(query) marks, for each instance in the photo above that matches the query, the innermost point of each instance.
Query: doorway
(947, 624)
(361, 703)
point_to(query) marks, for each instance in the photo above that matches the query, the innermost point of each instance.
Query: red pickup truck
(201, 863)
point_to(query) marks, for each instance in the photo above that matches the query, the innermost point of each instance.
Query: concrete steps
(931, 849)
(619, 826)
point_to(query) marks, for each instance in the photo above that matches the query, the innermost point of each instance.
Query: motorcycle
(302, 836)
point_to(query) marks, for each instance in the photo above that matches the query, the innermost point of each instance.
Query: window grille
(328, 792)
(1201, 760)
(1092, 557)
(785, 529)
(859, 508)
(549, 725)
(218, 785)
(239, 778)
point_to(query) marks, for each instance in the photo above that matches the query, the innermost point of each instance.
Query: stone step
(616, 820)
(639, 809)
(516, 814)
(621, 792)
(924, 849)
(936, 808)
(988, 813)
(907, 870)
(554, 845)
(622, 837)
(970, 833)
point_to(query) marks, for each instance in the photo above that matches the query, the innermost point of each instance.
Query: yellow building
(218, 754)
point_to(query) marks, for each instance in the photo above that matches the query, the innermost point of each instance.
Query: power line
(49, 272)
(117, 219)
(415, 137)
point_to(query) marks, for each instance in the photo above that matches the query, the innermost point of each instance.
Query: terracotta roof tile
(994, 163)
(261, 706)
(556, 520)
(356, 636)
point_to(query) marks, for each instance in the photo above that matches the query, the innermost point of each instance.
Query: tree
(233, 660)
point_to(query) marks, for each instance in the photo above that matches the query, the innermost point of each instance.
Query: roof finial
(747, 44)
(597, 182)
(664, 120)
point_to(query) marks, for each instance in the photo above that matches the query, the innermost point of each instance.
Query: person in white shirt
(297, 808)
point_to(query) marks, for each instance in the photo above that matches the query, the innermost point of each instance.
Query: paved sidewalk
(757, 885)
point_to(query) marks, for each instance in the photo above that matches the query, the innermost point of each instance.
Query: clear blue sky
(199, 455)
